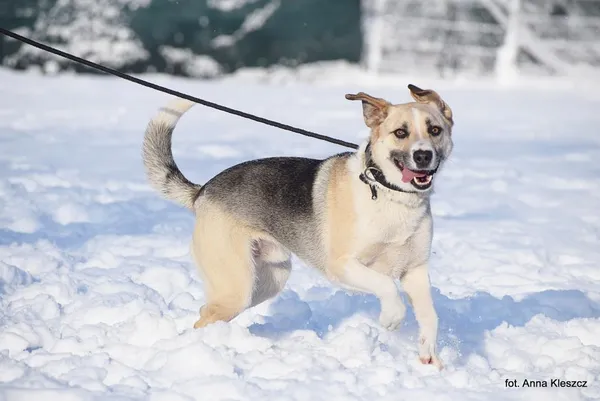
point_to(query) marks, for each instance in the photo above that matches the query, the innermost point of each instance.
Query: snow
(252, 22)
(197, 66)
(98, 293)
(229, 5)
(96, 30)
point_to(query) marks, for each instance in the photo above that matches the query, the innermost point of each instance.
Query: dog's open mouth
(420, 179)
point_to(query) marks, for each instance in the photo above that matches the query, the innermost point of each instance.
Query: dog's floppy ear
(431, 96)
(375, 110)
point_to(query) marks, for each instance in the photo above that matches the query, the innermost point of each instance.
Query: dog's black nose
(422, 158)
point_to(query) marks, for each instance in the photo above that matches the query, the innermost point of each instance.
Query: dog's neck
(373, 176)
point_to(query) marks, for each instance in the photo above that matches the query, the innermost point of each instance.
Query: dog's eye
(401, 133)
(434, 130)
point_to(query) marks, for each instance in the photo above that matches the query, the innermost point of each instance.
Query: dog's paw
(207, 316)
(427, 354)
(392, 313)
(200, 323)
(432, 360)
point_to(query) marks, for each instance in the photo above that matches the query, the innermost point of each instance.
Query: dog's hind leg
(272, 264)
(241, 267)
(221, 247)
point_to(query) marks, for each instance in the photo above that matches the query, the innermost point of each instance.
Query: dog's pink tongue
(408, 175)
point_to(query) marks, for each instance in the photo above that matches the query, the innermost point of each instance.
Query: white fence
(483, 37)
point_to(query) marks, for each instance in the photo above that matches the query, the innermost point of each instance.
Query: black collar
(378, 176)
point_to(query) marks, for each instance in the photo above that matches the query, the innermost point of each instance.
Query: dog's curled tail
(161, 169)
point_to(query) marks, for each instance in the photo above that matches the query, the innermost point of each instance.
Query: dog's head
(409, 142)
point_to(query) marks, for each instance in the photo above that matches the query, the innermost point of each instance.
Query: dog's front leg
(352, 274)
(417, 286)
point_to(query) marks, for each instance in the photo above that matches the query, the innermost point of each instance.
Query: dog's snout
(422, 158)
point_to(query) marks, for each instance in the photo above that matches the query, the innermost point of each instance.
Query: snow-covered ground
(98, 294)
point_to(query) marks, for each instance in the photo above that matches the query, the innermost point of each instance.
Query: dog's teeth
(424, 180)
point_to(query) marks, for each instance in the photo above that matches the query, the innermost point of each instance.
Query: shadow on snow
(462, 322)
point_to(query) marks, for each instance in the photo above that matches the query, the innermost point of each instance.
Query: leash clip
(364, 177)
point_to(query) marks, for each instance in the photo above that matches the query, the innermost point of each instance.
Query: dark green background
(299, 31)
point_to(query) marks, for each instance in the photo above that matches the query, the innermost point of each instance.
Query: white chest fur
(387, 219)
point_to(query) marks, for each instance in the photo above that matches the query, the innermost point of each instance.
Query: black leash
(173, 92)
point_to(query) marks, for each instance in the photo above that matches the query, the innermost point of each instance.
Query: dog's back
(274, 195)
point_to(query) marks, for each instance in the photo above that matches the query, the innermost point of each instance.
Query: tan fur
(374, 109)
(340, 224)
(428, 96)
(240, 267)
(221, 247)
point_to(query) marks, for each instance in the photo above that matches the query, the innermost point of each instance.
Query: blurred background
(209, 38)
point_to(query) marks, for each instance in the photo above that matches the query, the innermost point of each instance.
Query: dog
(362, 218)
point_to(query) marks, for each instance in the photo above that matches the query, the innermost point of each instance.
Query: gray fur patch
(274, 195)
(161, 169)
